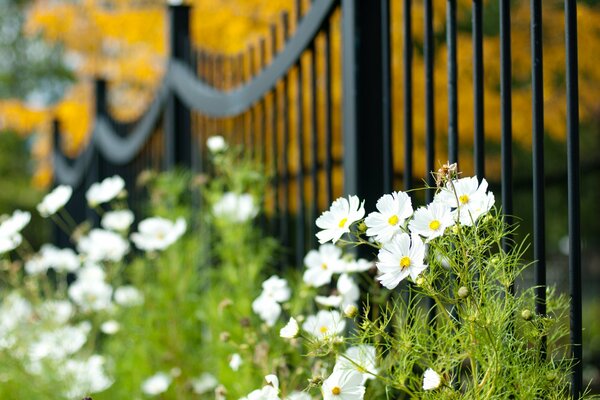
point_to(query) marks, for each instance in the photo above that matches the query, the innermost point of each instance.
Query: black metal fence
(321, 118)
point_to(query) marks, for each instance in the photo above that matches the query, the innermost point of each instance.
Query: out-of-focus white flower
(277, 289)
(158, 233)
(15, 223)
(268, 392)
(204, 383)
(110, 327)
(322, 264)
(348, 294)
(337, 220)
(105, 191)
(55, 200)
(235, 362)
(350, 311)
(60, 343)
(324, 325)
(62, 260)
(329, 301)
(343, 385)
(118, 221)
(235, 207)
(102, 245)
(392, 210)
(88, 376)
(267, 309)
(216, 144)
(128, 296)
(57, 311)
(431, 221)
(156, 384)
(431, 380)
(290, 330)
(360, 265)
(90, 292)
(399, 258)
(296, 395)
(14, 311)
(8, 243)
(360, 358)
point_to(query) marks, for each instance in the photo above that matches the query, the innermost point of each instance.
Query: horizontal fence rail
(314, 100)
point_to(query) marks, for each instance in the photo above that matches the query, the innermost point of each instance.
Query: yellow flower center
(393, 220)
(323, 329)
(434, 225)
(464, 199)
(336, 390)
(404, 262)
(343, 222)
(323, 266)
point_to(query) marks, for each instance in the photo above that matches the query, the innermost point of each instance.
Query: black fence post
(364, 112)
(59, 238)
(96, 168)
(178, 132)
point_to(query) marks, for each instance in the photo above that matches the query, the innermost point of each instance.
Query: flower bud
(527, 315)
(463, 292)
(362, 227)
(551, 376)
(224, 336)
(351, 311)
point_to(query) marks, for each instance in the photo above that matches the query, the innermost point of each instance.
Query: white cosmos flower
(324, 325)
(343, 385)
(204, 383)
(15, 223)
(360, 265)
(128, 296)
(267, 309)
(235, 362)
(62, 260)
(55, 200)
(216, 144)
(88, 376)
(322, 264)
(8, 243)
(118, 221)
(337, 220)
(60, 343)
(348, 294)
(431, 380)
(399, 258)
(90, 292)
(268, 392)
(361, 358)
(296, 395)
(105, 191)
(110, 327)
(235, 207)
(392, 210)
(277, 289)
(57, 311)
(468, 197)
(101, 245)
(431, 221)
(291, 329)
(158, 233)
(329, 301)
(156, 384)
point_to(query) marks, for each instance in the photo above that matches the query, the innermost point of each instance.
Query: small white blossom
(343, 385)
(101, 245)
(360, 358)
(235, 362)
(118, 221)
(290, 330)
(9, 243)
(204, 383)
(90, 292)
(392, 210)
(337, 220)
(156, 384)
(158, 233)
(57, 311)
(128, 296)
(88, 376)
(322, 264)
(431, 221)
(296, 395)
(267, 309)
(235, 207)
(216, 144)
(468, 197)
(431, 380)
(15, 223)
(399, 258)
(105, 191)
(324, 325)
(55, 200)
(60, 343)
(110, 327)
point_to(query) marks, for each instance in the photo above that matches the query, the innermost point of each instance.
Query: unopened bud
(362, 227)
(351, 311)
(527, 315)
(551, 376)
(224, 336)
(463, 292)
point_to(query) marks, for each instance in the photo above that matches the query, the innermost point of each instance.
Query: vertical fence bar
(539, 230)
(250, 112)
(362, 101)
(239, 68)
(274, 139)
(300, 209)
(262, 56)
(452, 81)
(408, 119)
(506, 118)
(327, 113)
(386, 77)
(574, 195)
(285, 167)
(314, 144)
(428, 50)
(178, 119)
(478, 139)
